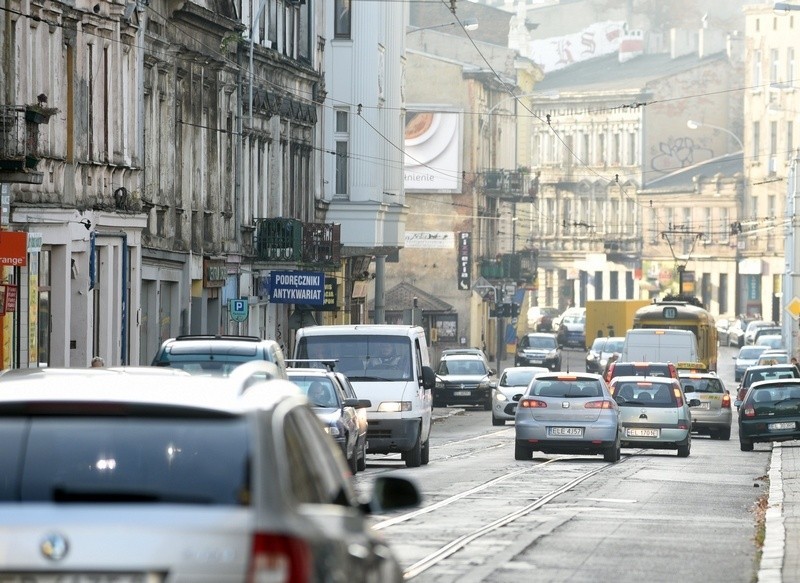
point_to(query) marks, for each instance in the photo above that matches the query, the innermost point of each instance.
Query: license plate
(565, 431)
(637, 432)
(781, 426)
(537, 361)
(704, 406)
(462, 393)
(79, 578)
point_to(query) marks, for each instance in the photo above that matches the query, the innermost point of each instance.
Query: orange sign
(13, 249)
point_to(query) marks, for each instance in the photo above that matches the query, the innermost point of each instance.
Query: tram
(683, 313)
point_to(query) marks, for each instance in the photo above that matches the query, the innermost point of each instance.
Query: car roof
(643, 379)
(685, 374)
(365, 329)
(235, 394)
(566, 376)
(307, 372)
(541, 334)
(525, 369)
(778, 382)
(462, 357)
(762, 367)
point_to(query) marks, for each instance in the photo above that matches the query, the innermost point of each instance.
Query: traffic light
(514, 310)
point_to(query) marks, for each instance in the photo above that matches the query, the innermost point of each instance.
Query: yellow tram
(684, 314)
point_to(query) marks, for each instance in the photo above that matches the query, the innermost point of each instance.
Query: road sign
(794, 307)
(238, 309)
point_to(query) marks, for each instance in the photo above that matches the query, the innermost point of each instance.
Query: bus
(682, 313)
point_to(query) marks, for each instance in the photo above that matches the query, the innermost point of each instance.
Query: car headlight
(603, 361)
(394, 406)
(439, 384)
(552, 354)
(500, 396)
(591, 356)
(332, 430)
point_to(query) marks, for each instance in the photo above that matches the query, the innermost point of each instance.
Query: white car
(511, 386)
(110, 476)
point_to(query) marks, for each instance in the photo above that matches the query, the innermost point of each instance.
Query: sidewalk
(780, 558)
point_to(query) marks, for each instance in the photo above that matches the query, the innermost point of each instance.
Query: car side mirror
(428, 377)
(516, 397)
(491, 373)
(358, 403)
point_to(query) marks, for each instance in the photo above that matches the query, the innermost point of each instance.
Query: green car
(769, 412)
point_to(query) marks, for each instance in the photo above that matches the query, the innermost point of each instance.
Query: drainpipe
(380, 283)
(124, 284)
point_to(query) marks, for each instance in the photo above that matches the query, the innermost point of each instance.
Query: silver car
(567, 413)
(714, 415)
(512, 384)
(109, 476)
(747, 357)
(654, 414)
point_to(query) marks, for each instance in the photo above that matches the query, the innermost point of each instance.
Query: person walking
(97, 362)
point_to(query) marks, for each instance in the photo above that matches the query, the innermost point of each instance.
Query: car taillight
(599, 405)
(532, 404)
(683, 425)
(279, 558)
(749, 411)
(678, 396)
(726, 401)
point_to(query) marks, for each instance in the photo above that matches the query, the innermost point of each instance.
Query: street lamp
(693, 125)
(468, 24)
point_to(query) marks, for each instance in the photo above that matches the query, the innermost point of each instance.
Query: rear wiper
(63, 494)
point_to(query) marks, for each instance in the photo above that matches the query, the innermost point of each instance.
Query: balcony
(291, 241)
(19, 143)
(512, 185)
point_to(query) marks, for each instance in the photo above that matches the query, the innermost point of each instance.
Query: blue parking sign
(238, 309)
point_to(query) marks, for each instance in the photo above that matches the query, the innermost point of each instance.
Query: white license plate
(638, 432)
(704, 406)
(565, 431)
(537, 361)
(462, 393)
(79, 578)
(781, 426)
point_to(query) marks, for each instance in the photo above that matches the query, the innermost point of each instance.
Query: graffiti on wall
(676, 153)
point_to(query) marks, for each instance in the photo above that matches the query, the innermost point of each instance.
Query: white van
(390, 366)
(659, 345)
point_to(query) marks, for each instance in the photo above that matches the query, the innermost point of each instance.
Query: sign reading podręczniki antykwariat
(297, 287)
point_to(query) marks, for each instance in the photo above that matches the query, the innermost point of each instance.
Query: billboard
(432, 149)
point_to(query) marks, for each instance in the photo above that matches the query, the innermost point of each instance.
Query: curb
(443, 413)
(773, 550)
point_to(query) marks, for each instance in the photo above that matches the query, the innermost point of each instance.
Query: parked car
(757, 373)
(237, 472)
(337, 412)
(217, 354)
(510, 388)
(734, 335)
(538, 349)
(747, 357)
(722, 323)
(714, 414)
(463, 379)
(655, 414)
(567, 413)
(770, 411)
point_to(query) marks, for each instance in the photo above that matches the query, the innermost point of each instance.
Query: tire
(684, 450)
(362, 461)
(613, 453)
(352, 462)
(487, 405)
(745, 445)
(497, 422)
(522, 453)
(724, 434)
(426, 452)
(413, 457)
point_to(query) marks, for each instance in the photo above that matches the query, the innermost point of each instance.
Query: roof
(359, 329)
(401, 297)
(684, 179)
(607, 74)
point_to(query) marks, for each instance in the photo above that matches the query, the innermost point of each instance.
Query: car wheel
(522, 453)
(745, 445)
(496, 422)
(487, 405)
(684, 450)
(426, 452)
(362, 460)
(724, 434)
(413, 457)
(352, 462)
(613, 453)
(438, 403)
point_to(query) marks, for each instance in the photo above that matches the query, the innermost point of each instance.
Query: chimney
(631, 45)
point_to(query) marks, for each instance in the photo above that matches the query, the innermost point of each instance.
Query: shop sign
(8, 299)
(214, 273)
(13, 249)
(34, 242)
(297, 287)
(330, 302)
(464, 261)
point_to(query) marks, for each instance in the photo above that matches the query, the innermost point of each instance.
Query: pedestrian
(97, 362)
(796, 364)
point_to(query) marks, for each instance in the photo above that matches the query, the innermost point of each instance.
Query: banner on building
(13, 249)
(297, 287)
(430, 240)
(464, 261)
(331, 301)
(432, 151)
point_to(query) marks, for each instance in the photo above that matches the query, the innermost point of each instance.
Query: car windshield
(651, 370)
(208, 359)
(362, 357)
(459, 366)
(126, 459)
(767, 375)
(702, 385)
(639, 394)
(598, 344)
(566, 388)
(614, 345)
(548, 342)
(319, 389)
(751, 352)
(517, 378)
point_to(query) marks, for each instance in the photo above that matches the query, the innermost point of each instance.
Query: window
(617, 152)
(773, 138)
(756, 139)
(601, 154)
(789, 139)
(631, 148)
(774, 63)
(341, 11)
(707, 225)
(756, 69)
(723, 292)
(342, 139)
(790, 65)
(586, 153)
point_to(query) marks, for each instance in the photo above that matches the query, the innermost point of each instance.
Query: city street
(653, 516)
